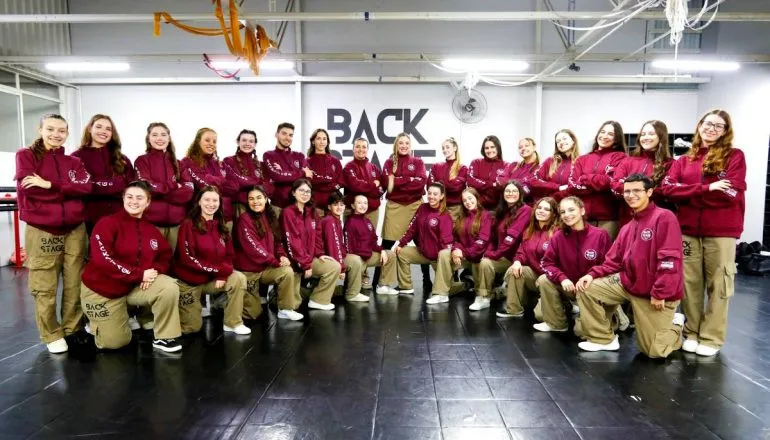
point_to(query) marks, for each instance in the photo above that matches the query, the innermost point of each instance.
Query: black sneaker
(168, 345)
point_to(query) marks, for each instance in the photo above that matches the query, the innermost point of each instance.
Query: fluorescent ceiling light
(485, 65)
(696, 65)
(87, 67)
(265, 64)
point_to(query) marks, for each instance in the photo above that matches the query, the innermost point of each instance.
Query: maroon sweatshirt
(431, 231)
(360, 237)
(532, 249)
(252, 252)
(358, 177)
(474, 246)
(439, 172)
(483, 175)
(409, 183)
(704, 213)
(170, 197)
(202, 257)
(330, 239)
(106, 195)
(282, 168)
(243, 173)
(590, 180)
(59, 209)
(543, 185)
(299, 231)
(327, 177)
(522, 172)
(122, 248)
(505, 240)
(211, 173)
(648, 256)
(570, 256)
(644, 164)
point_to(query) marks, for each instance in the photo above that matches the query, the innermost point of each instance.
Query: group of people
(596, 234)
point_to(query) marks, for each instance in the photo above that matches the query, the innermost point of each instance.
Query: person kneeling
(643, 267)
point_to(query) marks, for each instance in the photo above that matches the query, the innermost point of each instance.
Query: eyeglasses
(304, 191)
(511, 191)
(635, 191)
(712, 126)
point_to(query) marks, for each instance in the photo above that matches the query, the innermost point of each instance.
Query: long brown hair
(454, 170)
(558, 156)
(196, 214)
(194, 151)
(170, 149)
(502, 206)
(242, 166)
(476, 226)
(316, 132)
(496, 141)
(619, 142)
(38, 146)
(662, 154)
(268, 213)
(442, 203)
(579, 203)
(534, 224)
(537, 155)
(113, 145)
(717, 155)
(395, 149)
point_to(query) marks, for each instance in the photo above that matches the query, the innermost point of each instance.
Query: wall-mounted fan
(469, 105)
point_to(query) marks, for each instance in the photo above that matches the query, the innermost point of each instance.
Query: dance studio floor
(391, 369)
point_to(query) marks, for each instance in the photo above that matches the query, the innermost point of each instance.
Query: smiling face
(159, 138)
(564, 142)
(711, 129)
(360, 204)
(449, 150)
(571, 213)
(247, 142)
(257, 201)
(404, 145)
(511, 194)
(606, 136)
(526, 149)
(135, 201)
(284, 138)
(302, 194)
(543, 212)
(360, 150)
(209, 143)
(636, 196)
(469, 201)
(320, 142)
(209, 204)
(434, 197)
(101, 132)
(337, 208)
(53, 132)
(648, 138)
(490, 150)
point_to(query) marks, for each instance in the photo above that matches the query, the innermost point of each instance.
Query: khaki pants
(355, 267)
(48, 256)
(445, 268)
(170, 233)
(551, 301)
(109, 317)
(517, 289)
(709, 282)
(611, 226)
(190, 302)
(455, 212)
(487, 271)
(397, 219)
(329, 272)
(282, 277)
(656, 335)
(410, 255)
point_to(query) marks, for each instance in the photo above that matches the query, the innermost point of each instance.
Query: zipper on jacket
(139, 235)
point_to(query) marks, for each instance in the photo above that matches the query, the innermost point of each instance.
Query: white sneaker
(387, 290)
(705, 350)
(623, 321)
(679, 319)
(437, 299)
(133, 324)
(405, 291)
(314, 305)
(544, 327)
(239, 329)
(690, 345)
(58, 346)
(505, 314)
(479, 304)
(592, 346)
(290, 314)
(359, 298)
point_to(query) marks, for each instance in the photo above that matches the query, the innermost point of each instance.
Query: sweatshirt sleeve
(295, 247)
(613, 260)
(412, 183)
(475, 180)
(445, 229)
(114, 184)
(198, 177)
(164, 256)
(411, 231)
(187, 256)
(540, 180)
(575, 182)
(513, 234)
(550, 263)
(481, 242)
(103, 256)
(735, 172)
(276, 173)
(669, 273)
(226, 265)
(142, 168)
(355, 184)
(254, 250)
(602, 181)
(674, 190)
(237, 180)
(616, 184)
(25, 166)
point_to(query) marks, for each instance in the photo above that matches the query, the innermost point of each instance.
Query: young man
(644, 267)
(283, 166)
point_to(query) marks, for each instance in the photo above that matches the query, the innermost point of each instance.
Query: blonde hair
(537, 155)
(558, 156)
(395, 149)
(455, 169)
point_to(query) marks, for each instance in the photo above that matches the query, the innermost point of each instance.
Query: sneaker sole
(167, 349)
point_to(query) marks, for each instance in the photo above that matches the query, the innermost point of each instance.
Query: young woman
(50, 187)
(201, 166)
(471, 237)
(327, 170)
(431, 229)
(298, 223)
(511, 218)
(171, 192)
(403, 176)
(204, 265)
(522, 276)
(244, 171)
(552, 177)
(452, 174)
(592, 173)
(129, 264)
(361, 177)
(523, 170)
(363, 251)
(650, 157)
(260, 257)
(708, 186)
(573, 251)
(330, 238)
(110, 170)
(483, 173)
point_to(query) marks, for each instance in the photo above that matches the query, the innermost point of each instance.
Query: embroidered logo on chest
(590, 254)
(154, 244)
(722, 175)
(374, 174)
(312, 224)
(433, 222)
(369, 226)
(222, 241)
(410, 167)
(509, 239)
(500, 172)
(646, 234)
(296, 163)
(545, 246)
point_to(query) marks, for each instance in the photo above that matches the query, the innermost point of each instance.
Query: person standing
(551, 179)
(453, 175)
(282, 167)
(244, 171)
(483, 173)
(327, 170)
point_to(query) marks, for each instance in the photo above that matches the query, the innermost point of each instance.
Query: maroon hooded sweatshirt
(439, 172)
(170, 197)
(252, 252)
(202, 257)
(483, 175)
(244, 173)
(522, 172)
(474, 246)
(358, 177)
(704, 213)
(532, 249)
(59, 209)
(648, 256)
(543, 185)
(644, 164)
(572, 255)
(505, 240)
(106, 195)
(299, 235)
(431, 231)
(211, 173)
(360, 237)
(409, 183)
(590, 180)
(330, 239)
(282, 168)
(122, 248)
(326, 179)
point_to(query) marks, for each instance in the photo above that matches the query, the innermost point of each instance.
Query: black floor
(392, 369)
